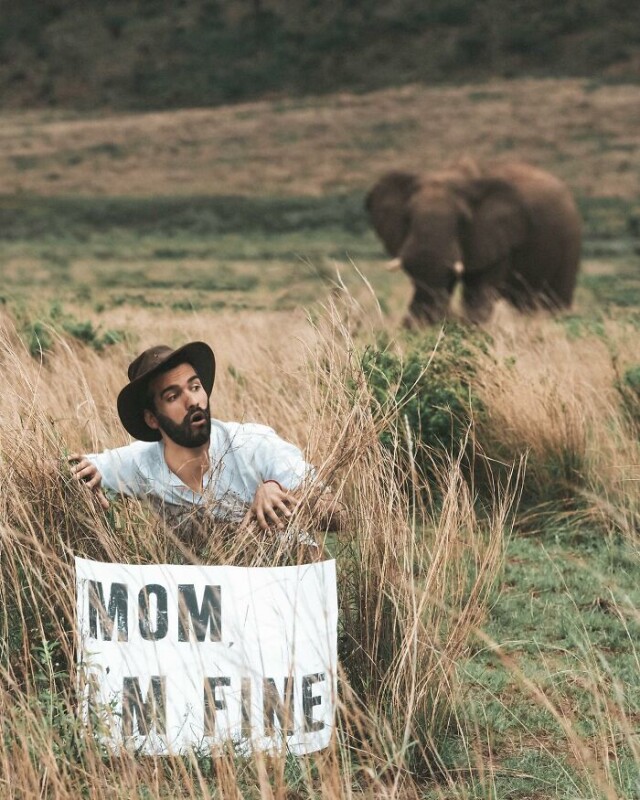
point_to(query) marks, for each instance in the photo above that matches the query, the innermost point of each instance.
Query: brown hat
(133, 399)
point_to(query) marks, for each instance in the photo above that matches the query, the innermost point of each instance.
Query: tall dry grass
(558, 396)
(416, 575)
(414, 580)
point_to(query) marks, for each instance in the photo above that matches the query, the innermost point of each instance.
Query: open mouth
(198, 418)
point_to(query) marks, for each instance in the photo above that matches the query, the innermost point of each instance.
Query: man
(184, 459)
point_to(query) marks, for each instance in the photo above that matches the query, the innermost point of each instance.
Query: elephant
(504, 229)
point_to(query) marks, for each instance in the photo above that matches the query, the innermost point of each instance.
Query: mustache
(195, 411)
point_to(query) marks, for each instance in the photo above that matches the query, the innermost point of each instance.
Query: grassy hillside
(128, 54)
(583, 131)
(259, 204)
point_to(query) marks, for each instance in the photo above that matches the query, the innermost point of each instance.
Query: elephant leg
(558, 292)
(522, 296)
(549, 292)
(480, 290)
(428, 305)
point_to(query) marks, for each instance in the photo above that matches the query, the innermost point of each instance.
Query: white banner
(174, 658)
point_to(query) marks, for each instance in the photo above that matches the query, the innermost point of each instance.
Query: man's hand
(83, 470)
(270, 504)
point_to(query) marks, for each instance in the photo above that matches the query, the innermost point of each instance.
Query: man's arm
(284, 473)
(116, 470)
(84, 470)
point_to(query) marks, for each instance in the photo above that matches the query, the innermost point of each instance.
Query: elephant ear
(494, 223)
(388, 207)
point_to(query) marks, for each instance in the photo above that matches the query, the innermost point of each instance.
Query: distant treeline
(153, 54)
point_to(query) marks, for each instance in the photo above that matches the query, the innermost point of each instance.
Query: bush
(424, 393)
(39, 333)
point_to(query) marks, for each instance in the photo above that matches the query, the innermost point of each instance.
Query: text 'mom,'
(179, 657)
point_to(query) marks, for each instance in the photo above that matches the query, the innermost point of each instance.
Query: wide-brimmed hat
(133, 399)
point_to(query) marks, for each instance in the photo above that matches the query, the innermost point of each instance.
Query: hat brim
(132, 400)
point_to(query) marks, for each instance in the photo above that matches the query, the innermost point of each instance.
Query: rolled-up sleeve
(276, 459)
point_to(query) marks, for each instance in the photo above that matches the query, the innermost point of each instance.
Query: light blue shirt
(242, 457)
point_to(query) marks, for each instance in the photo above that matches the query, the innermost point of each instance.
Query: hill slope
(337, 144)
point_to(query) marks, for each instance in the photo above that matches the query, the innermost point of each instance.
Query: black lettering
(309, 700)
(275, 706)
(159, 631)
(117, 610)
(144, 714)
(207, 617)
(212, 703)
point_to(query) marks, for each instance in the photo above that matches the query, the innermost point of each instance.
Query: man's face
(180, 407)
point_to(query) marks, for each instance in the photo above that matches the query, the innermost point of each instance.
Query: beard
(185, 433)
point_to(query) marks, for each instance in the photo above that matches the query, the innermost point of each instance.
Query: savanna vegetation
(143, 54)
(488, 569)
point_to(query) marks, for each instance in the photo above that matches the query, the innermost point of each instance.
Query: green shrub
(578, 326)
(38, 337)
(39, 334)
(425, 392)
(622, 290)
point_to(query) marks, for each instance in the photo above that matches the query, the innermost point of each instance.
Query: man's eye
(196, 387)
(170, 398)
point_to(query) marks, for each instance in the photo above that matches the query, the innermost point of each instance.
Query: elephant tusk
(395, 264)
(458, 268)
